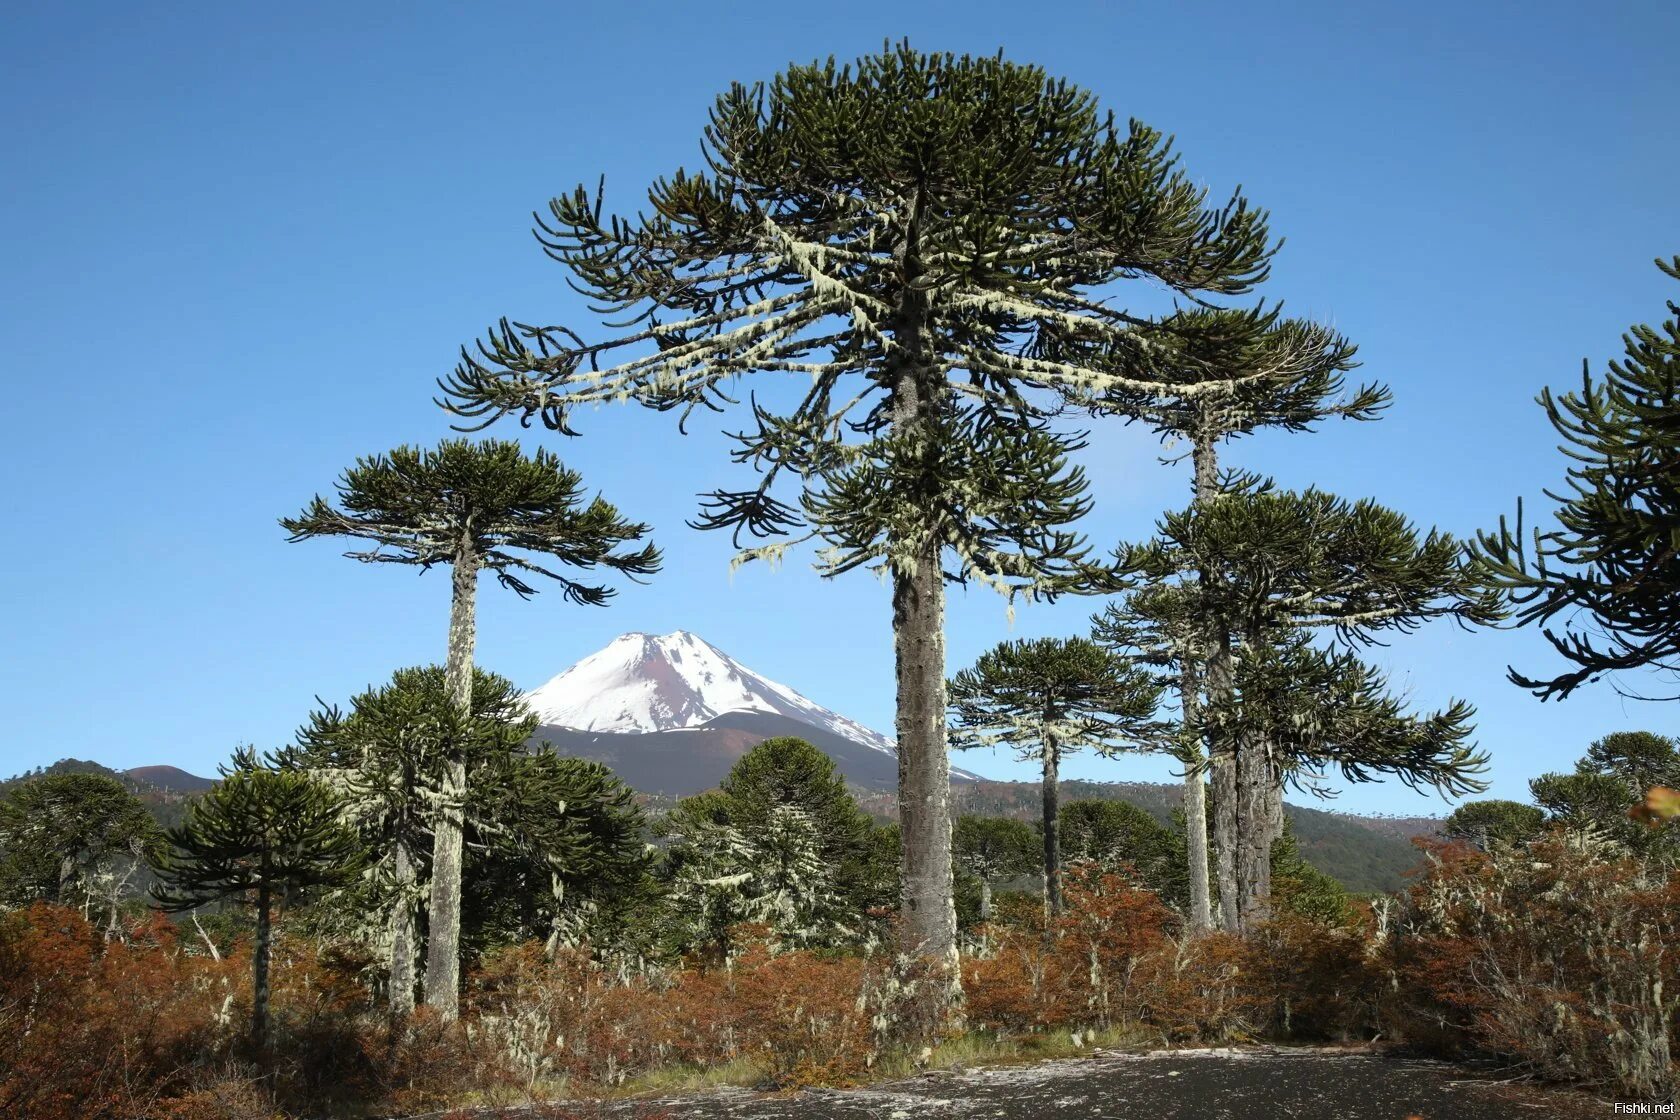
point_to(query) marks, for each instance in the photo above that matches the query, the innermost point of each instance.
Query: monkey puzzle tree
(927, 226)
(1047, 698)
(388, 760)
(1493, 823)
(993, 849)
(260, 836)
(1615, 555)
(473, 506)
(1270, 563)
(1227, 373)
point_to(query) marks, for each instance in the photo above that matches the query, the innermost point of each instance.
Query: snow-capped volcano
(652, 683)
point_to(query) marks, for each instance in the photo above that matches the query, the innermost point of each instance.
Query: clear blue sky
(240, 241)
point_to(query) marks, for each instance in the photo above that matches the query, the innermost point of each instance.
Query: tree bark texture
(929, 928)
(401, 994)
(259, 968)
(443, 944)
(1195, 798)
(1051, 793)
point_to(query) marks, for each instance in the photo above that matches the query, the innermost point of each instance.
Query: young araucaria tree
(263, 837)
(388, 760)
(474, 507)
(1048, 698)
(1288, 374)
(915, 238)
(1613, 558)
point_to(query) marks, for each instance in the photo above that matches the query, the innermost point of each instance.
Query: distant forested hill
(164, 790)
(1365, 854)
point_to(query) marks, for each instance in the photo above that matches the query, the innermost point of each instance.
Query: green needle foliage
(1494, 823)
(1321, 710)
(1615, 774)
(1121, 837)
(922, 242)
(488, 502)
(260, 837)
(1615, 554)
(1048, 698)
(781, 841)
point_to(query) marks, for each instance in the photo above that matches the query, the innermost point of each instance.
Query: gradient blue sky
(241, 241)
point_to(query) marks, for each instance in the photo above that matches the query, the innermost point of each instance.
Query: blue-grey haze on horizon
(242, 242)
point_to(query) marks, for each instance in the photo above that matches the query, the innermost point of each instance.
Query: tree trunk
(259, 970)
(1222, 767)
(66, 872)
(1052, 830)
(1195, 798)
(1254, 834)
(985, 899)
(401, 994)
(443, 945)
(929, 927)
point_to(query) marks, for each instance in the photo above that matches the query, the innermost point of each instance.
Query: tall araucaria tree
(1229, 373)
(1047, 698)
(262, 837)
(1610, 571)
(914, 237)
(474, 507)
(1268, 565)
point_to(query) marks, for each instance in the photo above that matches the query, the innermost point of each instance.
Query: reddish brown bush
(1561, 956)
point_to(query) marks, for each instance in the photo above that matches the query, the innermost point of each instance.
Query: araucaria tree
(1228, 373)
(388, 760)
(1047, 698)
(918, 239)
(1614, 557)
(474, 507)
(1268, 567)
(260, 837)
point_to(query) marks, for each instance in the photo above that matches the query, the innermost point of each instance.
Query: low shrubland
(1551, 956)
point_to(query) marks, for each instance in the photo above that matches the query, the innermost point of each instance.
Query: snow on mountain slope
(651, 683)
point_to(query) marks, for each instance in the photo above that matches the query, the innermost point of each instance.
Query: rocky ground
(1247, 1084)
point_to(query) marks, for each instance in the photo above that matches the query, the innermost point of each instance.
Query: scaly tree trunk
(985, 898)
(929, 920)
(1052, 829)
(259, 969)
(929, 929)
(1222, 767)
(401, 995)
(1195, 797)
(443, 944)
(1254, 834)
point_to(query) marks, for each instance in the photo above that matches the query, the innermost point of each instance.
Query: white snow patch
(646, 683)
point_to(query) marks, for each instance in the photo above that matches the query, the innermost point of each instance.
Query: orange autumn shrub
(1107, 927)
(1199, 989)
(1561, 956)
(804, 1014)
(91, 1029)
(1312, 980)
